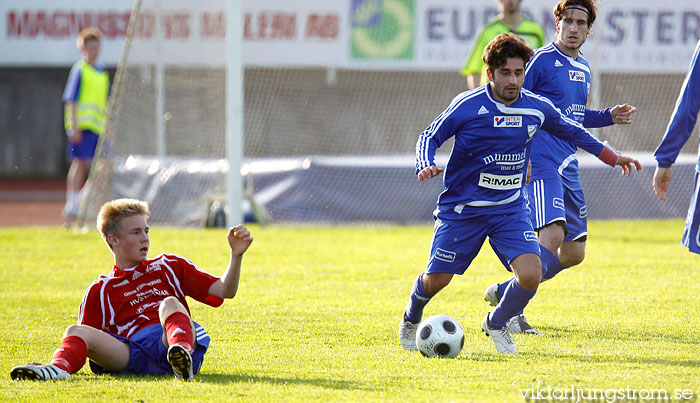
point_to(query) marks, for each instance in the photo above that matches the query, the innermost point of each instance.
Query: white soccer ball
(441, 336)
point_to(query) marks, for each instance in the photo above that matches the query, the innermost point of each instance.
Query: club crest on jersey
(530, 236)
(507, 121)
(445, 255)
(155, 266)
(531, 130)
(500, 182)
(575, 75)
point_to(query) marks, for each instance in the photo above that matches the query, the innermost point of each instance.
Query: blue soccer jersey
(486, 170)
(566, 82)
(684, 116)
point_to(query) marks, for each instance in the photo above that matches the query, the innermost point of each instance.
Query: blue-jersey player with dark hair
(493, 126)
(555, 196)
(680, 127)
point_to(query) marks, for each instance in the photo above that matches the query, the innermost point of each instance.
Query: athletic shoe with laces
(501, 338)
(181, 361)
(518, 324)
(491, 295)
(407, 334)
(38, 372)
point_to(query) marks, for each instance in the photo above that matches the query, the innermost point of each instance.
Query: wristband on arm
(609, 155)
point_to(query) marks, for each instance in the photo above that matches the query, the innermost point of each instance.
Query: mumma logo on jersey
(500, 182)
(575, 75)
(382, 29)
(507, 121)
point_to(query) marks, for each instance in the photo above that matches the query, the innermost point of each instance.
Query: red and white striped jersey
(126, 301)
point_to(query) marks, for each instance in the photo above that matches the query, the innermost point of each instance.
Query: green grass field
(317, 312)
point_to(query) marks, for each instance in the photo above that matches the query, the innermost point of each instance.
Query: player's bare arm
(622, 114)
(429, 172)
(239, 239)
(76, 135)
(662, 181)
(628, 164)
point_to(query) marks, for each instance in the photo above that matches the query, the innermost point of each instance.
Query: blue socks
(513, 301)
(551, 265)
(417, 301)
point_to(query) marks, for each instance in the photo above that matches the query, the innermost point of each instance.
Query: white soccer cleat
(518, 324)
(407, 334)
(38, 372)
(181, 361)
(501, 338)
(491, 295)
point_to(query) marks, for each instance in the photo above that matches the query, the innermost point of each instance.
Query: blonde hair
(88, 33)
(112, 212)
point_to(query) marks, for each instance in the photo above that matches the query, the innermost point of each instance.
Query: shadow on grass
(323, 383)
(226, 379)
(612, 334)
(623, 337)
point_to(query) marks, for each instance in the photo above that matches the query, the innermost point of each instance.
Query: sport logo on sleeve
(507, 121)
(445, 255)
(575, 75)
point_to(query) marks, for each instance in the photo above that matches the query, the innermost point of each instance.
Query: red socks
(71, 355)
(178, 330)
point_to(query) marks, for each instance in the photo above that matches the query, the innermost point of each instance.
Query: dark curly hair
(506, 46)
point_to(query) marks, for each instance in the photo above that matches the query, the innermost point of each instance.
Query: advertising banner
(641, 36)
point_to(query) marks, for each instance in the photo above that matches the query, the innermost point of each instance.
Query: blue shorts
(691, 235)
(549, 200)
(457, 242)
(85, 150)
(148, 355)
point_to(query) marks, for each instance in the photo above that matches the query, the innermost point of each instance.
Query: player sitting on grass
(135, 320)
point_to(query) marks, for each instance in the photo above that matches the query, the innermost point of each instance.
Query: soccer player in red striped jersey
(136, 320)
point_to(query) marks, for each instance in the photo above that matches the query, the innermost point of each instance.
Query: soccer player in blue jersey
(555, 196)
(493, 126)
(680, 127)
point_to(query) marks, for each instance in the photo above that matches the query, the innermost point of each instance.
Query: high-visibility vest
(92, 100)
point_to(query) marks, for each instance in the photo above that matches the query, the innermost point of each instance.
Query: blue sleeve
(594, 118)
(70, 93)
(684, 116)
(531, 76)
(434, 136)
(568, 129)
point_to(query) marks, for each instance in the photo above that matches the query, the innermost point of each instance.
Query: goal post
(234, 110)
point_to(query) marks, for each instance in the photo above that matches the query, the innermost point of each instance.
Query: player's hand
(239, 239)
(622, 114)
(628, 163)
(529, 172)
(662, 181)
(429, 172)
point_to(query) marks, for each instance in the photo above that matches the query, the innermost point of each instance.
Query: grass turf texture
(317, 312)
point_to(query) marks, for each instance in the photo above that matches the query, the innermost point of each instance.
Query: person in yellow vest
(85, 98)
(509, 19)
